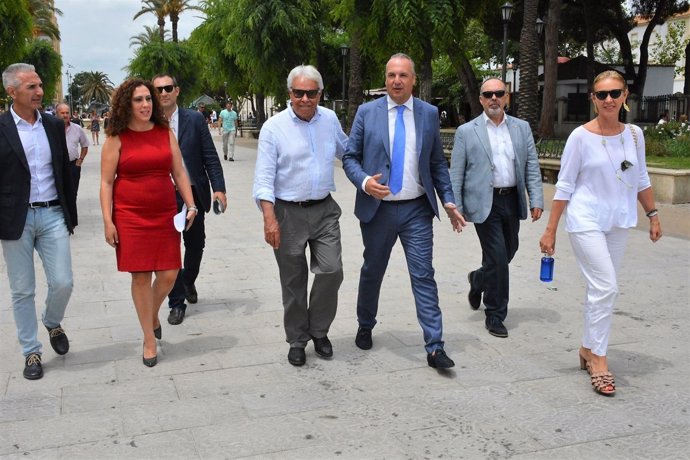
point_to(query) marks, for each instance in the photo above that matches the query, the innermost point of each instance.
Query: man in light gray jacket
(494, 161)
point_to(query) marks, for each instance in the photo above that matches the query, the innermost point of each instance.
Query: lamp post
(344, 50)
(69, 91)
(506, 13)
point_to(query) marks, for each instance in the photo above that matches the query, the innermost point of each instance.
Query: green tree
(97, 87)
(48, 63)
(15, 30)
(149, 35)
(158, 9)
(43, 12)
(669, 50)
(178, 59)
(176, 7)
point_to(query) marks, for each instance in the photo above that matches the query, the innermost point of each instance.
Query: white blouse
(601, 195)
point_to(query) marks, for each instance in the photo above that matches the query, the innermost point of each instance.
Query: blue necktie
(398, 163)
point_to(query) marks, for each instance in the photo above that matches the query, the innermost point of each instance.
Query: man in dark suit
(38, 212)
(395, 160)
(494, 162)
(203, 165)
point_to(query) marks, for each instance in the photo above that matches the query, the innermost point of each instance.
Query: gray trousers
(317, 227)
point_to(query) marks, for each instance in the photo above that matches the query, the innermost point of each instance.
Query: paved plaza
(223, 387)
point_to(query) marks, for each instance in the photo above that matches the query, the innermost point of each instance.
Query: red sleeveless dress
(144, 203)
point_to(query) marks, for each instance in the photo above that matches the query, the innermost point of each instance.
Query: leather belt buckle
(504, 190)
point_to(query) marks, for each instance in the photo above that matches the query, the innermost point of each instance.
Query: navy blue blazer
(369, 152)
(200, 155)
(15, 177)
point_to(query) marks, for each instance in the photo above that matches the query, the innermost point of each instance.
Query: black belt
(44, 204)
(307, 203)
(402, 201)
(504, 190)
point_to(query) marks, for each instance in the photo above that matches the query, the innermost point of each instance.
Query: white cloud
(96, 33)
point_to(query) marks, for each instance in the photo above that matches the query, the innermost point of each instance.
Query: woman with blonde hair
(138, 201)
(603, 175)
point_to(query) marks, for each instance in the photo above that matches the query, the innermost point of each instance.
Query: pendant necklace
(625, 164)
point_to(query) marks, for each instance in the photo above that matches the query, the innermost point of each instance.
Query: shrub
(679, 147)
(655, 147)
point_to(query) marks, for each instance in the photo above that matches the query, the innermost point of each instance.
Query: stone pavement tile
(477, 370)
(105, 352)
(56, 431)
(271, 399)
(4, 380)
(168, 364)
(660, 444)
(93, 336)
(177, 444)
(97, 396)
(229, 381)
(56, 378)
(48, 454)
(250, 355)
(269, 435)
(202, 342)
(156, 417)
(465, 439)
(384, 447)
(28, 406)
(601, 419)
(412, 385)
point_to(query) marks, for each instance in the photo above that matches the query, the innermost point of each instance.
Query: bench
(549, 152)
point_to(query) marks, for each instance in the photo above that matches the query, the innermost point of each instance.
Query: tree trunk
(657, 19)
(590, 9)
(425, 70)
(260, 112)
(174, 19)
(355, 91)
(466, 75)
(548, 104)
(529, 56)
(686, 86)
(161, 28)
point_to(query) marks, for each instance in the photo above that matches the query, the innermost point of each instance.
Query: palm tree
(43, 12)
(147, 37)
(158, 8)
(529, 56)
(174, 8)
(97, 87)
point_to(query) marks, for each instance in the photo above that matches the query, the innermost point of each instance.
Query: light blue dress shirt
(295, 158)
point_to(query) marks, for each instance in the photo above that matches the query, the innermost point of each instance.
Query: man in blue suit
(395, 160)
(494, 161)
(203, 166)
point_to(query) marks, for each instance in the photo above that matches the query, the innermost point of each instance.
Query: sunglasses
(490, 94)
(299, 93)
(614, 93)
(166, 88)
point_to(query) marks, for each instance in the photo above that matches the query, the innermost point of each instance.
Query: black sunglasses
(490, 94)
(614, 93)
(299, 93)
(167, 88)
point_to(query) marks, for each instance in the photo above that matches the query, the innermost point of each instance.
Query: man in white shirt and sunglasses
(494, 162)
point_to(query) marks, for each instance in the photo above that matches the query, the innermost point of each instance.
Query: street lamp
(539, 26)
(344, 49)
(69, 91)
(506, 13)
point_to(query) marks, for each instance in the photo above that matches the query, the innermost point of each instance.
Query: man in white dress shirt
(77, 143)
(494, 161)
(293, 182)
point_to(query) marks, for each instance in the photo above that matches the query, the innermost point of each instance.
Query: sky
(96, 33)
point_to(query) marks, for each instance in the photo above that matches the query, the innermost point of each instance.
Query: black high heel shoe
(158, 332)
(149, 362)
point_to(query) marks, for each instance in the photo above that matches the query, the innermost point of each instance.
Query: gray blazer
(471, 169)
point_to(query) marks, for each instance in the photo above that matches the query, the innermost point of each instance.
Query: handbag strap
(634, 134)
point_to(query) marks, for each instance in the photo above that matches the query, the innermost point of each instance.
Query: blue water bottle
(546, 271)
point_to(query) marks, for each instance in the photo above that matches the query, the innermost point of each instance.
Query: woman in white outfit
(603, 175)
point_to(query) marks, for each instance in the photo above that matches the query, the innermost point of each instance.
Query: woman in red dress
(138, 201)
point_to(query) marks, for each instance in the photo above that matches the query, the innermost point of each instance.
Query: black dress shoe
(495, 327)
(439, 360)
(475, 295)
(32, 367)
(323, 347)
(363, 338)
(297, 356)
(176, 316)
(58, 339)
(190, 293)
(158, 332)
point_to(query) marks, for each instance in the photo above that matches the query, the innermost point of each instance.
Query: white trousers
(599, 255)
